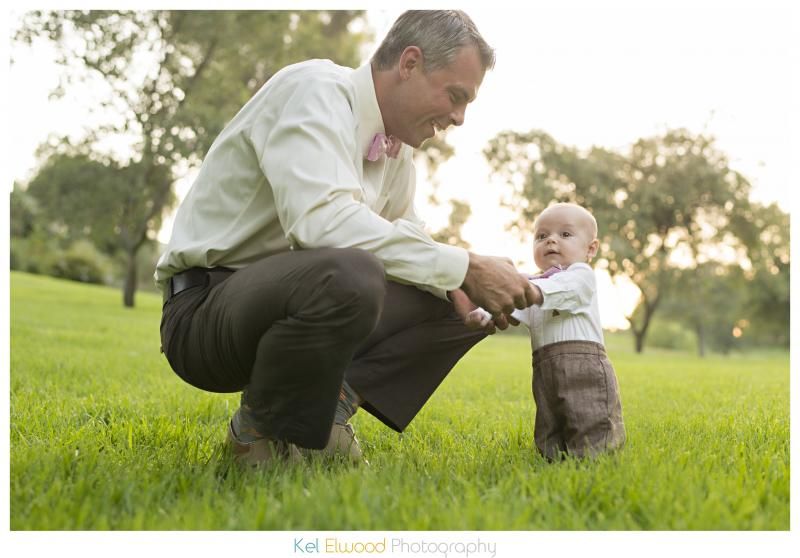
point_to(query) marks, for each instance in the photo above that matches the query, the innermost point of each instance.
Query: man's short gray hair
(439, 34)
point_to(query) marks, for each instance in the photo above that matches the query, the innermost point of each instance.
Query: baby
(578, 410)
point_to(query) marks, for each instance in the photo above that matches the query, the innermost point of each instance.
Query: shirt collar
(368, 113)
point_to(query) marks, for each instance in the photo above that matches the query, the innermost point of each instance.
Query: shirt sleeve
(307, 156)
(524, 316)
(403, 184)
(569, 291)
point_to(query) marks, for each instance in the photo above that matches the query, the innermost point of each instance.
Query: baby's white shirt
(569, 311)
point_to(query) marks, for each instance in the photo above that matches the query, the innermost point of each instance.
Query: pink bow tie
(384, 145)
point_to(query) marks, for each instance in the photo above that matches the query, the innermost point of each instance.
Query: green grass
(105, 436)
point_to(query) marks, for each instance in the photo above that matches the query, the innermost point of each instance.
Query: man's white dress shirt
(289, 172)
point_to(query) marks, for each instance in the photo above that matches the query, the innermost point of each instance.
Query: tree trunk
(701, 340)
(129, 287)
(639, 336)
(641, 333)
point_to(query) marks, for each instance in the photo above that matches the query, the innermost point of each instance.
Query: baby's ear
(594, 245)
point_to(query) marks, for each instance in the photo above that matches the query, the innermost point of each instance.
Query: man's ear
(410, 59)
(594, 245)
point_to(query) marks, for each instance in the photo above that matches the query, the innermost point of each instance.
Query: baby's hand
(478, 319)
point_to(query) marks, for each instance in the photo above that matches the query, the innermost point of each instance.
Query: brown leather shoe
(342, 444)
(262, 451)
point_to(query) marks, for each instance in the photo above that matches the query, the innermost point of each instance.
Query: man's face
(562, 237)
(432, 101)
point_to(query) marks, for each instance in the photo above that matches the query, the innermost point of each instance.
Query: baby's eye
(566, 234)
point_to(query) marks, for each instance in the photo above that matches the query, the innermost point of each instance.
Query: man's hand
(495, 284)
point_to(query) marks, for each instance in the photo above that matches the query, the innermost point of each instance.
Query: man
(298, 272)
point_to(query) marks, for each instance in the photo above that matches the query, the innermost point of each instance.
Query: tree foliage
(451, 234)
(668, 204)
(433, 153)
(24, 213)
(79, 197)
(710, 299)
(765, 232)
(167, 82)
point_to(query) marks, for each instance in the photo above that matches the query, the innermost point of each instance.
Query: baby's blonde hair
(590, 220)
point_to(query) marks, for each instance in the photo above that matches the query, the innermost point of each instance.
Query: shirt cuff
(555, 296)
(522, 315)
(451, 267)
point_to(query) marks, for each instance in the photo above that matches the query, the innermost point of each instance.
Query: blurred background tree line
(674, 218)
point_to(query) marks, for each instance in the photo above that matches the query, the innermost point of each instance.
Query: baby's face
(563, 236)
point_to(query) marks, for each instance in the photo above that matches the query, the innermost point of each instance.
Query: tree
(451, 234)
(711, 299)
(168, 82)
(43, 239)
(24, 213)
(433, 153)
(660, 207)
(79, 198)
(29, 245)
(764, 230)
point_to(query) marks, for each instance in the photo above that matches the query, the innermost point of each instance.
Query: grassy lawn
(105, 436)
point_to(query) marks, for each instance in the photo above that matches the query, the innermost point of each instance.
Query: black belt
(194, 277)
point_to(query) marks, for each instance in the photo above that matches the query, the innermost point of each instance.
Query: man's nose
(458, 115)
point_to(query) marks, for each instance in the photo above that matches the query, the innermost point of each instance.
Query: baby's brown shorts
(578, 409)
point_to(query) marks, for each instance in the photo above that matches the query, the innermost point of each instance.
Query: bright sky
(588, 73)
